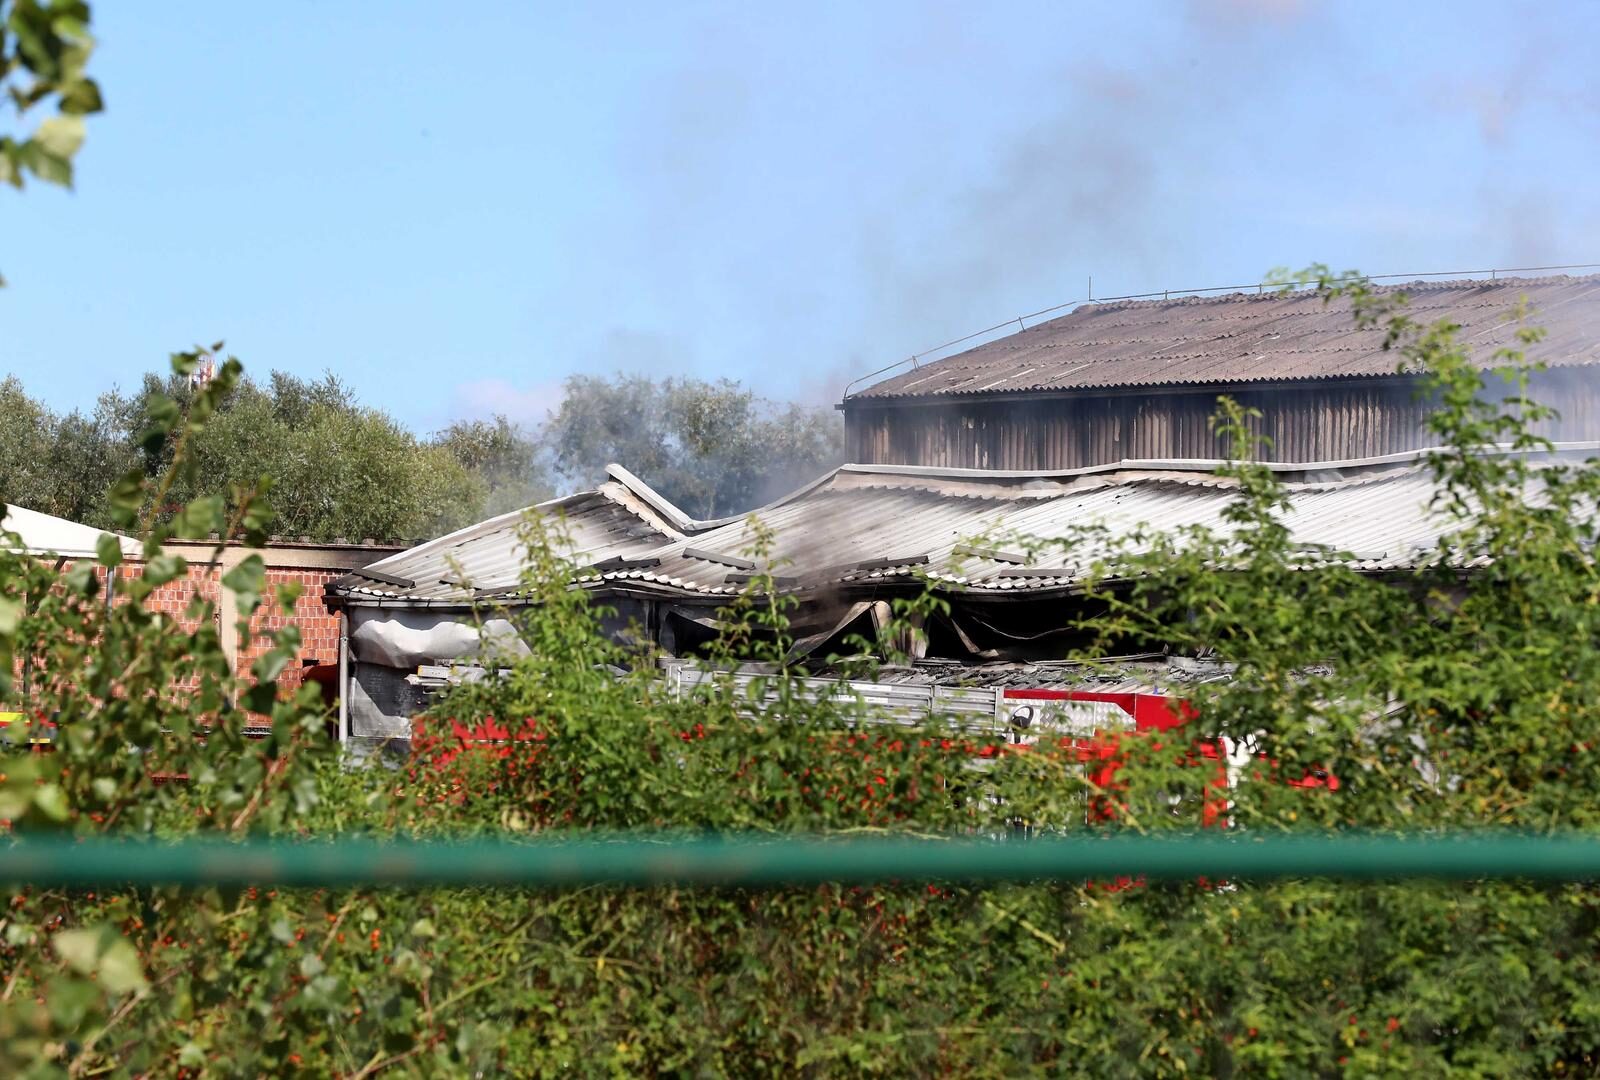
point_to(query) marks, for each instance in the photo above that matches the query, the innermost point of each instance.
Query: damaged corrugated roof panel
(863, 527)
(590, 527)
(1254, 337)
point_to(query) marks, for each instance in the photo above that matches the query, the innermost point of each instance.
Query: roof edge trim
(931, 398)
(1196, 465)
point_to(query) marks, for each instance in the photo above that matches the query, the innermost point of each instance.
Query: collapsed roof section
(863, 529)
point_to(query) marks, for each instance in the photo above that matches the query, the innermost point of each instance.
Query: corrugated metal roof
(591, 526)
(904, 521)
(1253, 337)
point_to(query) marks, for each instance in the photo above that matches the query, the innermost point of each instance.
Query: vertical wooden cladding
(1329, 420)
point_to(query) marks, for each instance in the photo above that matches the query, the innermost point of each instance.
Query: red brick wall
(172, 599)
(319, 627)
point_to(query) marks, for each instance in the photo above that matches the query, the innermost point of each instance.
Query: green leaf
(289, 594)
(82, 97)
(14, 802)
(10, 616)
(260, 698)
(305, 794)
(108, 550)
(17, 786)
(184, 363)
(60, 135)
(258, 516)
(120, 970)
(164, 568)
(81, 579)
(152, 439)
(248, 577)
(52, 802)
(164, 412)
(125, 497)
(51, 168)
(200, 518)
(71, 1000)
(269, 666)
(79, 948)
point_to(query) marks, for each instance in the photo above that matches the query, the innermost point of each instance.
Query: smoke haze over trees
(712, 448)
(343, 469)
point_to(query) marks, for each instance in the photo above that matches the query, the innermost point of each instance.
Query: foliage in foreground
(1438, 698)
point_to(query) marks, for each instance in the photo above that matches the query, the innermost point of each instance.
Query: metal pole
(344, 678)
(766, 861)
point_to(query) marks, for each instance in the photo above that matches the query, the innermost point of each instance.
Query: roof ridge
(1265, 291)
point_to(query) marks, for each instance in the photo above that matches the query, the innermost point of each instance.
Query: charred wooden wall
(1326, 421)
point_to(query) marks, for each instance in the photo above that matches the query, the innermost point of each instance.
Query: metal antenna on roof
(1091, 287)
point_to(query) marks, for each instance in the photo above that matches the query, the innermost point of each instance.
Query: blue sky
(453, 206)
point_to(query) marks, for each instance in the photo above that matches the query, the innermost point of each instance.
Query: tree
(504, 456)
(61, 465)
(24, 447)
(87, 454)
(337, 468)
(712, 448)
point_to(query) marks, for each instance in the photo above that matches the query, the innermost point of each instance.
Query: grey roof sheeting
(865, 525)
(1251, 337)
(607, 523)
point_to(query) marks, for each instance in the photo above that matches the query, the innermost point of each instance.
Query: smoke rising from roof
(810, 258)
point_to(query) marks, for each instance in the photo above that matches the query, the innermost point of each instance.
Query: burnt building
(1139, 380)
(844, 548)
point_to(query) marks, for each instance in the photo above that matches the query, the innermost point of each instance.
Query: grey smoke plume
(1081, 183)
(1111, 165)
(1068, 186)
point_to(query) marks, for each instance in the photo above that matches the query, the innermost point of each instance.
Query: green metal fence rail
(767, 861)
